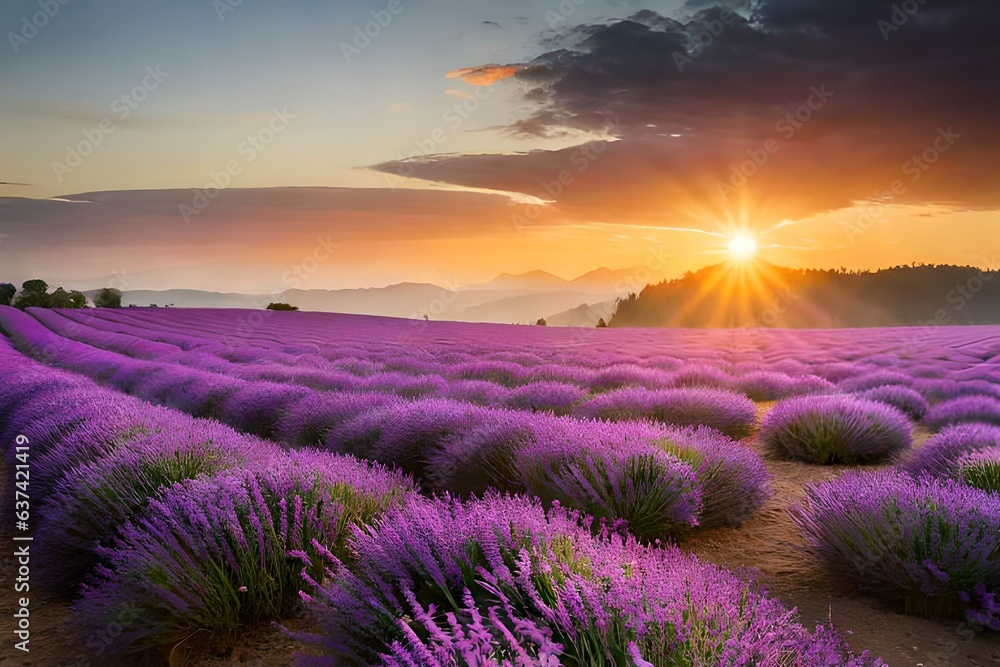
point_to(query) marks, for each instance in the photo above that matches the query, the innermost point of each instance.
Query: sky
(217, 144)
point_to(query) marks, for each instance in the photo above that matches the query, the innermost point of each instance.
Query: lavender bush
(618, 477)
(553, 397)
(939, 456)
(404, 434)
(932, 544)
(213, 553)
(731, 413)
(258, 407)
(875, 379)
(981, 469)
(908, 400)
(485, 456)
(733, 479)
(92, 501)
(835, 429)
(308, 421)
(500, 582)
(964, 409)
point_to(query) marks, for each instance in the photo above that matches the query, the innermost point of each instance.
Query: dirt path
(771, 543)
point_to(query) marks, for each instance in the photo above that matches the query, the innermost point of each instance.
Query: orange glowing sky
(463, 143)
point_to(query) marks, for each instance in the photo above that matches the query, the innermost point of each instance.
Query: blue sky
(229, 65)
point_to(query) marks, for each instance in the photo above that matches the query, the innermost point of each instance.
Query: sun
(742, 247)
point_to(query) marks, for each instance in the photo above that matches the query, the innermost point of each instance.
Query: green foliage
(63, 299)
(982, 474)
(32, 299)
(34, 294)
(7, 292)
(34, 287)
(108, 297)
(281, 306)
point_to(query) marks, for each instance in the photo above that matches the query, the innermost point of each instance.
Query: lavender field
(372, 491)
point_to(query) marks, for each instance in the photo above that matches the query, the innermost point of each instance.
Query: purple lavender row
(500, 582)
(173, 523)
(621, 472)
(490, 381)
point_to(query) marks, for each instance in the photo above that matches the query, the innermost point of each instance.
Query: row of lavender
(660, 480)
(823, 429)
(562, 371)
(161, 524)
(586, 465)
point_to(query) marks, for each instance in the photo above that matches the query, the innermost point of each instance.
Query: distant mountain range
(600, 280)
(758, 294)
(507, 299)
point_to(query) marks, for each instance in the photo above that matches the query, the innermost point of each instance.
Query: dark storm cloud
(723, 80)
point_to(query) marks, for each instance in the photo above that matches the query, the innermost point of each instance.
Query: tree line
(35, 294)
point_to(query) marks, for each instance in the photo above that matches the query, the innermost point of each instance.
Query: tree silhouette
(108, 297)
(33, 295)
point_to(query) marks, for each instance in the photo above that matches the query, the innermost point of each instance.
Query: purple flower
(939, 456)
(874, 379)
(441, 583)
(733, 479)
(835, 429)
(908, 400)
(927, 543)
(553, 397)
(964, 409)
(731, 413)
(613, 472)
(211, 553)
(981, 469)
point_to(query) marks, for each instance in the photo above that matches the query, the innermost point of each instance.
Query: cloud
(728, 94)
(460, 94)
(486, 75)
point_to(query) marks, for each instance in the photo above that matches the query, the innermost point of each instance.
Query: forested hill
(758, 294)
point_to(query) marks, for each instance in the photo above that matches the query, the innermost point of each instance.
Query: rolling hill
(758, 294)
